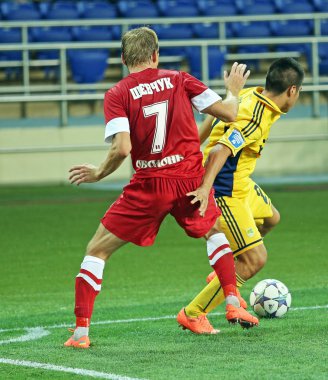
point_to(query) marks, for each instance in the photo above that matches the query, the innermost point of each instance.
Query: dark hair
(283, 73)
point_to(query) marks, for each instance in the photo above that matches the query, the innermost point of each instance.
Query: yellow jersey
(246, 137)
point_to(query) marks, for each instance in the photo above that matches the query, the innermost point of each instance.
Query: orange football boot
(198, 325)
(239, 315)
(83, 342)
(242, 302)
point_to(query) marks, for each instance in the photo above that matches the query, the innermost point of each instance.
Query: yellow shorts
(241, 216)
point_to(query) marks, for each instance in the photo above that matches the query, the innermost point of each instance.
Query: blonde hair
(138, 46)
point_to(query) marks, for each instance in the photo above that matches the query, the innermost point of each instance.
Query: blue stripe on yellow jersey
(246, 138)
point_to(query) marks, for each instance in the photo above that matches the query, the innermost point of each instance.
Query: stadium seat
(292, 28)
(11, 36)
(303, 49)
(81, 62)
(54, 34)
(63, 10)
(178, 8)
(322, 55)
(253, 64)
(256, 7)
(216, 59)
(96, 9)
(173, 32)
(217, 7)
(252, 29)
(20, 11)
(206, 30)
(93, 34)
(323, 67)
(321, 5)
(324, 27)
(137, 9)
(294, 6)
(101, 10)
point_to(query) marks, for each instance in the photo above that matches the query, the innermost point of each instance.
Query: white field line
(149, 319)
(31, 334)
(77, 371)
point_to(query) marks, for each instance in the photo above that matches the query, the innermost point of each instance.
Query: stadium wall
(280, 158)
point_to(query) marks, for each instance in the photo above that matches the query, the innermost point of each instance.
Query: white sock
(232, 300)
(79, 332)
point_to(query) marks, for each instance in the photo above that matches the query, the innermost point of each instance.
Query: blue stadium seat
(97, 9)
(178, 8)
(173, 32)
(216, 59)
(253, 64)
(101, 10)
(206, 30)
(62, 10)
(252, 29)
(81, 62)
(323, 58)
(294, 6)
(211, 30)
(321, 5)
(11, 36)
(137, 9)
(217, 7)
(94, 34)
(301, 48)
(292, 28)
(256, 7)
(323, 67)
(20, 11)
(54, 34)
(324, 27)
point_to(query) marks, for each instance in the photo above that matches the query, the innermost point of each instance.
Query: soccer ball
(270, 298)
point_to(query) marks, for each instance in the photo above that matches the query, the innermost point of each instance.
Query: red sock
(87, 287)
(221, 260)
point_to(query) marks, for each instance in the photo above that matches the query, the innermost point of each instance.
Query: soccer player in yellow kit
(230, 159)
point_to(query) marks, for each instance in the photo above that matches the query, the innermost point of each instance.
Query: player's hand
(236, 80)
(200, 195)
(85, 173)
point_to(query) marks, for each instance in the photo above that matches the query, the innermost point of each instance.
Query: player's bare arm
(214, 163)
(87, 173)
(205, 128)
(227, 109)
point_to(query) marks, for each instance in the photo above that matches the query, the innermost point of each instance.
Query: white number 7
(160, 111)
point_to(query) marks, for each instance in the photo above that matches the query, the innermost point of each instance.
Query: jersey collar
(258, 93)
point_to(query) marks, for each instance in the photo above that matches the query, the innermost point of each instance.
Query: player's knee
(216, 229)
(254, 259)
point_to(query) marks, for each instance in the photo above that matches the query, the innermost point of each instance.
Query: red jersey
(155, 107)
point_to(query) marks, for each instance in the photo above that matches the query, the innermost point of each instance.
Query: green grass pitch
(44, 231)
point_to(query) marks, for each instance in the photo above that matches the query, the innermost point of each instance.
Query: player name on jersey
(169, 160)
(149, 88)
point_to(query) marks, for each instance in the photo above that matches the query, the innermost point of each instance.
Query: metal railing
(61, 92)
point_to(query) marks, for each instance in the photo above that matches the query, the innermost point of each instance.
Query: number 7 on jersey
(160, 111)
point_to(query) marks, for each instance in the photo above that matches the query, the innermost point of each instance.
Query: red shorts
(139, 211)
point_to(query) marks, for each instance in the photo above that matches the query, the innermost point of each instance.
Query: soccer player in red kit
(149, 115)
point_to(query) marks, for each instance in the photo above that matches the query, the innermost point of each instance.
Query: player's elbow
(124, 149)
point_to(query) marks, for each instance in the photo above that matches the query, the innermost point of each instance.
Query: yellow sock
(209, 298)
